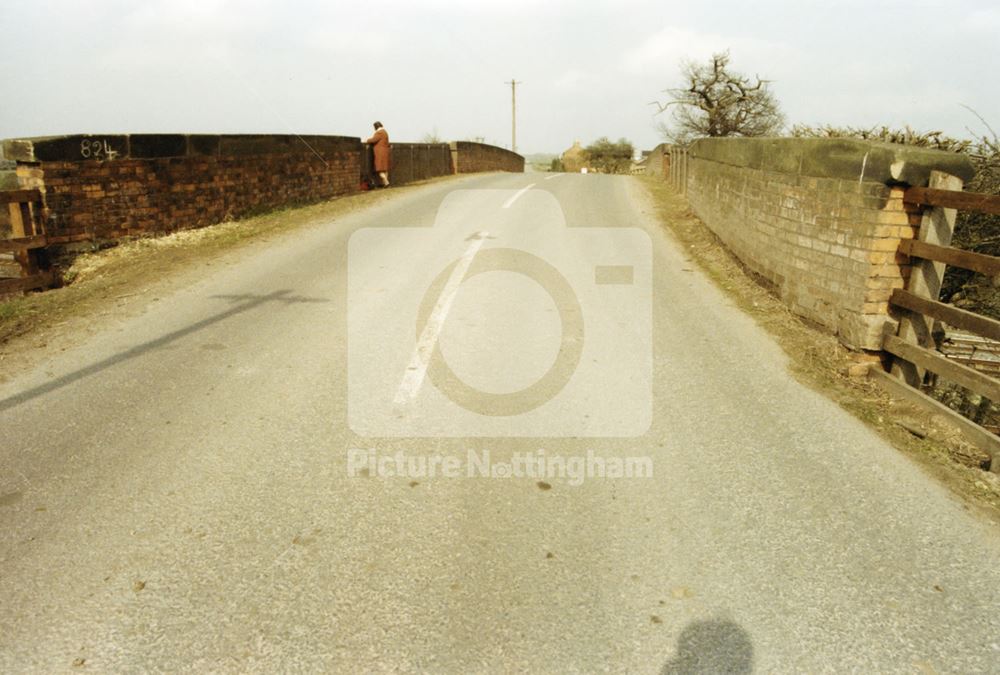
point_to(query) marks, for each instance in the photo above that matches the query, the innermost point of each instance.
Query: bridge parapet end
(471, 157)
(821, 219)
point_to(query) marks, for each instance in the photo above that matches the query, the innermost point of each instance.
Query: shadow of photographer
(713, 646)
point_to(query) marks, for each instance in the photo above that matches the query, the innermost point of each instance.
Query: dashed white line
(416, 371)
(555, 175)
(513, 198)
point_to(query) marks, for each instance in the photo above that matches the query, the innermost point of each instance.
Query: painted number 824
(94, 148)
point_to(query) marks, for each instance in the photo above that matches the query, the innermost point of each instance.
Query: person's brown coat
(380, 141)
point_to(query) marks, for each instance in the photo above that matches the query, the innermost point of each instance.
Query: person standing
(380, 145)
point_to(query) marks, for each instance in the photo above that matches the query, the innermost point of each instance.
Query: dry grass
(821, 362)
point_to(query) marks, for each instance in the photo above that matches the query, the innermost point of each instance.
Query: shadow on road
(710, 647)
(243, 303)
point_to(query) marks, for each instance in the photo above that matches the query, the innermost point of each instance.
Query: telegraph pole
(513, 113)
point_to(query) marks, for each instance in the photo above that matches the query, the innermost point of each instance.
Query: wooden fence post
(22, 225)
(936, 227)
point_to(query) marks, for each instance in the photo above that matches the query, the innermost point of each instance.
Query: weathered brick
(875, 308)
(886, 244)
(894, 218)
(895, 201)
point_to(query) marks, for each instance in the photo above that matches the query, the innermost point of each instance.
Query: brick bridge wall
(469, 157)
(821, 219)
(110, 187)
(410, 162)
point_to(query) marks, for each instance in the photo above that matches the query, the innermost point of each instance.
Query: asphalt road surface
(625, 476)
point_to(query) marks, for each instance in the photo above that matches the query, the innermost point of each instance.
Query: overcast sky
(589, 68)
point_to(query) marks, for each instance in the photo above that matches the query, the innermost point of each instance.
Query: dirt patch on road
(821, 362)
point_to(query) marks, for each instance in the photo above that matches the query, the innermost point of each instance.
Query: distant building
(575, 159)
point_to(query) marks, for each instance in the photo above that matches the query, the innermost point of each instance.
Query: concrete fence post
(681, 157)
(685, 174)
(677, 172)
(673, 167)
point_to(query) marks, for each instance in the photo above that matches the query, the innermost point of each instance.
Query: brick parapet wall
(114, 199)
(828, 243)
(127, 189)
(110, 187)
(411, 162)
(477, 157)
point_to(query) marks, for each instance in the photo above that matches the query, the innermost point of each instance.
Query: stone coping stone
(102, 147)
(76, 148)
(841, 158)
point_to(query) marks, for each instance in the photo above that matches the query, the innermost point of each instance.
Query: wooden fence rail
(951, 315)
(977, 262)
(953, 199)
(914, 350)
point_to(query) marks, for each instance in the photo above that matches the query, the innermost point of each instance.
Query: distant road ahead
(203, 487)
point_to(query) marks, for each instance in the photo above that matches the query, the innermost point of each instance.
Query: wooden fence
(914, 349)
(27, 242)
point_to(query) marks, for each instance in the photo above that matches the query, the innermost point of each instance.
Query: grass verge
(818, 360)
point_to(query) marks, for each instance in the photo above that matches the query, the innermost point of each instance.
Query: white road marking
(517, 194)
(555, 175)
(416, 371)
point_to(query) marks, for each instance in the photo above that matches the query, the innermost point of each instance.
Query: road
(213, 485)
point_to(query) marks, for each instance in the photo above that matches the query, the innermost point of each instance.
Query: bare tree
(716, 101)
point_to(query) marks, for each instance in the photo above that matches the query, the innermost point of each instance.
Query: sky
(587, 68)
